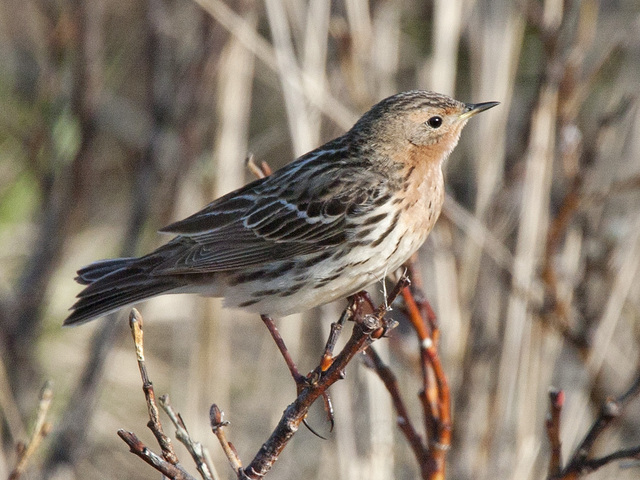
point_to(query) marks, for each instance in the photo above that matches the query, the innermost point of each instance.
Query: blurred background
(118, 117)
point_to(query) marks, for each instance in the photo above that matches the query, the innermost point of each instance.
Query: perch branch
(366, 329)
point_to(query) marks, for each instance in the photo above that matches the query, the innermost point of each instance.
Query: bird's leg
(355, 304)
(334, 333)
(300, 379)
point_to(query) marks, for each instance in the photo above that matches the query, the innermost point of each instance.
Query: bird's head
(422, 119)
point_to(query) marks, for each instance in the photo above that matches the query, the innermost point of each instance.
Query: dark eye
(435, 122)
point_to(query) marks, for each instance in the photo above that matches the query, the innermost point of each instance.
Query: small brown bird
(321, 228)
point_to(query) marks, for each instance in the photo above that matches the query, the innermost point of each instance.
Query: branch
(217, 424)
(175, 472)
(556, 399)
(135, 322)
(435, 396)
(40, 430)
(367, 328)
(580, 464)
(168, 463)
(391, 383)
(199, 454)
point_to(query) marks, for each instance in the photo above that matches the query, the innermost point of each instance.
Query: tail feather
(112, 284)
(97, 270)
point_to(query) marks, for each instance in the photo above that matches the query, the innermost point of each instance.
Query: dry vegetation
(119, 117)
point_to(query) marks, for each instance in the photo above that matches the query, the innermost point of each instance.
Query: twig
(168, 463)
(260, 171)
(556, 400)
(196, 450)
(217, 424)
(435, 396)
(391, 383)
(334, 333)
(135, 322)
(580, 464)
(175, 472)
(366, 329)
(275, 334)
(40, 430)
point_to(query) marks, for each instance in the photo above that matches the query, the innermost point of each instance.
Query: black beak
(472, 109)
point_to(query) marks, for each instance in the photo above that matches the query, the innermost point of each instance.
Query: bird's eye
(435, 122)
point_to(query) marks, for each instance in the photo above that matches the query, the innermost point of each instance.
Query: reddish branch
(556, 400)
(404, 422)
(580, 464)
(435, 395)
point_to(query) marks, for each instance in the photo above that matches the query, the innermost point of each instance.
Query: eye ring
(435, 122)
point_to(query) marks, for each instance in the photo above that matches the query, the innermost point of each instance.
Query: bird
(321, 228)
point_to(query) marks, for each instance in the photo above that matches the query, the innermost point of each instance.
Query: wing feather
(265, 222)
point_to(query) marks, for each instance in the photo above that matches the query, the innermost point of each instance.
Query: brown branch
(40, 430)
(435, 395)
(168, 463)
(173, 471)
(580, 464)
(217, 425)
(594, 464)
(135, 322)
(334, 333)
(404, 423)
(277, 338)
(367, 328)
(556, 399)
(197, 451)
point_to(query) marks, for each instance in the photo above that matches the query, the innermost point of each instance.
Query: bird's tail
(112, 284)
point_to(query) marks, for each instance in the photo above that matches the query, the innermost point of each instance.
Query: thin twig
(217, 426)
(135, 322)
(275, 334)
(594, 464)
(40, 430)
(334, 333)
(391, 383)
(367, 328)
(175, 472)
(260, 171)
(580, 464)
(196, 450)
(556, 400)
